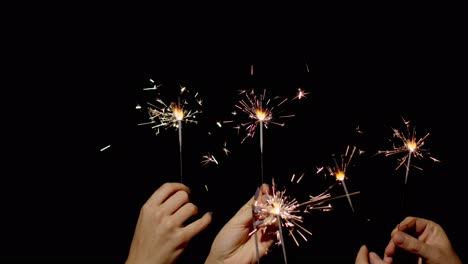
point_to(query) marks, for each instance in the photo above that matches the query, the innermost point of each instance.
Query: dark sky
(75, 202)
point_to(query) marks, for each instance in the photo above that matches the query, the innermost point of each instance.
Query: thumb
(412, 245)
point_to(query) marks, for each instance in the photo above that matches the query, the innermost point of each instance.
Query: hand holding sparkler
(429, 244)
(235, 242)
(160, 235)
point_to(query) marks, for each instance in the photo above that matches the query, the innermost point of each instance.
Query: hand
(160, 235)
(429, 244)
(233, 243)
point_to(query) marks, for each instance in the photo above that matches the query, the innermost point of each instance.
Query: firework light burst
(165, 115)
(410, 145)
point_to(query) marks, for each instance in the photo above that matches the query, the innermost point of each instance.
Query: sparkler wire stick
(180, 148)
(255, 227)
(402, 205)
(261, 150)
(347, 196)
(407, 168)
(282, 239)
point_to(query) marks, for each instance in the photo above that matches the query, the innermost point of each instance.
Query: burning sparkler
(409, 145)
(339, 169)
(260, 112)
(171, 115)
(278, 210)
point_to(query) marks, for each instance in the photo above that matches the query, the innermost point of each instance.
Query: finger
(185, 212)
(390, 251)
(165, 191)
(362, 256)
(412, 245)
(175, 202)
(375, 259)
(265, 241)
(265, 189)
(199, 225)
(243, 216)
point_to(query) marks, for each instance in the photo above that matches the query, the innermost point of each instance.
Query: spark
(408, 144)
(359, 131)
(106, 147)
(298, 180)
(154, 87)
(339, 169)
(316, 202)
(225, 149)
(300, 94)
(206, 159)
(319, 169)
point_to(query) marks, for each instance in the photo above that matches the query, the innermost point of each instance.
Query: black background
(76, 91)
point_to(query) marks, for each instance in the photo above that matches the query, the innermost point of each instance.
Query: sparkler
(260, 112)
(409, 145)
(171, 115)
(279, 210)
(339, 169)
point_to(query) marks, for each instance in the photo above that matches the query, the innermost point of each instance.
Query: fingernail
(258, 222)
(257, 192)
(211, 213)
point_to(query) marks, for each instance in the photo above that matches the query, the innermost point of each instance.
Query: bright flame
(178, 112)
(340, 175)
(411, 145)
(261, 115)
